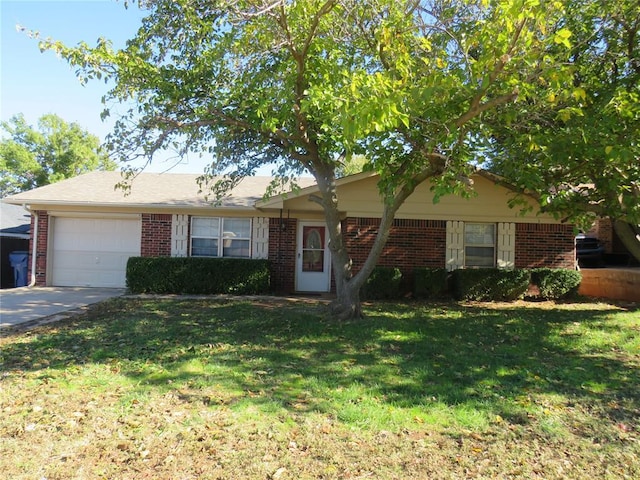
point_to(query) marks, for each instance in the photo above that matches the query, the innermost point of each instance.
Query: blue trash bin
(19, 261)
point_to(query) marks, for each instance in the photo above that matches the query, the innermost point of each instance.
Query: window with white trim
(220, 237)
(479, 245)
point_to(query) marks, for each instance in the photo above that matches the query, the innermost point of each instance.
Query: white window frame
(493, 245)
(221, 236)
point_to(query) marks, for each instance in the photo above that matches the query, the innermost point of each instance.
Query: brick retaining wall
(611, 283)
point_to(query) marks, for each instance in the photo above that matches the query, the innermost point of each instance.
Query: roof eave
(131, 206)
(24, 236)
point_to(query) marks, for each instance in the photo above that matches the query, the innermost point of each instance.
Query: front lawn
(274, 389)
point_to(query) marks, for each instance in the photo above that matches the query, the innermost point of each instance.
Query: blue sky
(35, 83)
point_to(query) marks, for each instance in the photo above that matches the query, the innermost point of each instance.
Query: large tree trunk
(347, 303)
(629, 236)
(348, 286)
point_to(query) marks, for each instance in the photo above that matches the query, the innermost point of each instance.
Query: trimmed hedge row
(556, 283)
(430, 282)
(383, 283)
(486, 284)
(201, 276)
(189, 275)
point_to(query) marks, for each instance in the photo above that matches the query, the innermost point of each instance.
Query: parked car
(589, 251)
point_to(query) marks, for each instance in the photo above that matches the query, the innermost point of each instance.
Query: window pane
(205, 227)
(479, 241)
(313, 238)
(313, 260)
(478, 256)
(479, 234)
(204, 247)
(235, 248)
(237, 227)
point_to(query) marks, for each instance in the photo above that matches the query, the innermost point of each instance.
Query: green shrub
(429, 282)
(191, 275)
(555, 283)
(384, 283)
(490, 284)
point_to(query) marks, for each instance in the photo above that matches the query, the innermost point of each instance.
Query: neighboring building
(615, 251)
(14, 236)
(85, 230)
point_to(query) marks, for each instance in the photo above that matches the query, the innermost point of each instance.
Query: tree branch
(476, 110)
(299, 56)
(277, 137)
(476, 107)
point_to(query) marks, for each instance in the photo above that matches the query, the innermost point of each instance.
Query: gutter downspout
(34, 248)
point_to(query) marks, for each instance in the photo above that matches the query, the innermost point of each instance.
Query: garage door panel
(81, 234)
(91, 260)
(93, 251)
(78, 277)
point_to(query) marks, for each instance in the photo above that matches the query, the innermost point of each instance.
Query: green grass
(189, 388)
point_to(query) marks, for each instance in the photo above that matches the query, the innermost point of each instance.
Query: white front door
(313, 262)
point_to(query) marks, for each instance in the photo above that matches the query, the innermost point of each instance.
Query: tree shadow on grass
(495, 360)
(519, 355)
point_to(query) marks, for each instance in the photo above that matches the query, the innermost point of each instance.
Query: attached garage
(93, 252)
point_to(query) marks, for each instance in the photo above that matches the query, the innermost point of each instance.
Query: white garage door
(93, 251)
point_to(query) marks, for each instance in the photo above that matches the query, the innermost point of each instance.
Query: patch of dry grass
(196, 389)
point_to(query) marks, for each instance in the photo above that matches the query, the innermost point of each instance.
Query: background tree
(31, 157)
(352, 165)
(580, 149)
(309, 83)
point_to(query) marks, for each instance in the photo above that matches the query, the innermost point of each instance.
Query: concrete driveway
(20, 305)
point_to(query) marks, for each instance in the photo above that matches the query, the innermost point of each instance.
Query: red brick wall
(282, 253)
(41, 248)
(156, 235)
(417, 243)
(412, 243)
(543, 245)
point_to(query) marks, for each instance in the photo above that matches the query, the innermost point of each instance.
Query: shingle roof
(147, 189)
(14, 220)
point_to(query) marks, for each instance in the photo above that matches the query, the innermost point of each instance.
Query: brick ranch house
(84, 230)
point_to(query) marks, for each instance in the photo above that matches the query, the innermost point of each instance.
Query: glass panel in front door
(313, 249)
